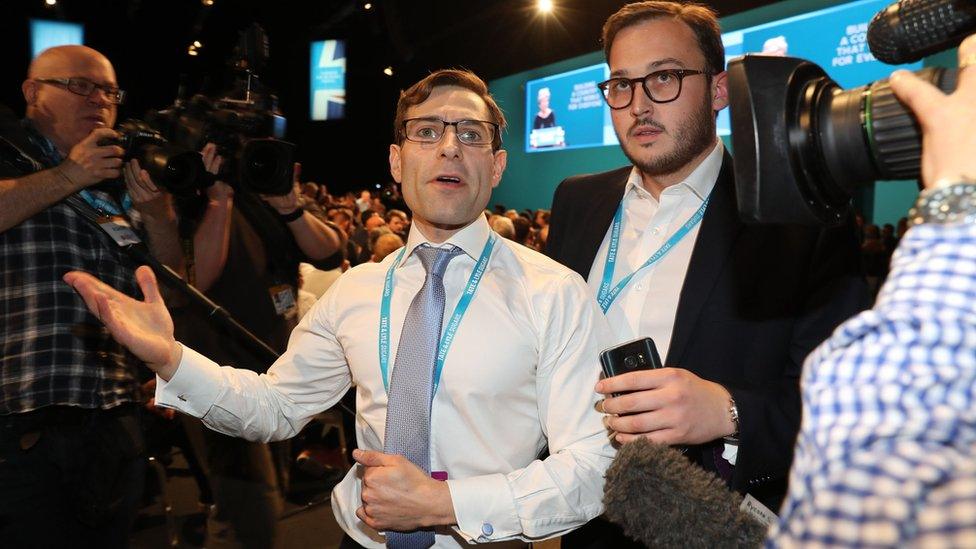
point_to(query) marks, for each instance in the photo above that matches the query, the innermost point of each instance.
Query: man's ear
(720, 91)
(395, 168)
(29, 88)
(499, 162)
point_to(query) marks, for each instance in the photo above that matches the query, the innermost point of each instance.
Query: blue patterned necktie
(411, 384)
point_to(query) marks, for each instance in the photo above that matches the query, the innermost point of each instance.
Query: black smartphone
(640, 354)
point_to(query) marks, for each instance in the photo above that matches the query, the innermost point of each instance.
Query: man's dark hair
(419, 92)
(700, 18)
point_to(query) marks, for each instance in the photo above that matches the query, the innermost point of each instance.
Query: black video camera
(247, 135)
(244, 123)
(803, 145)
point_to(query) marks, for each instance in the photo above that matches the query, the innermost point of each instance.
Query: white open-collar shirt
(519, 375)
(649, 303)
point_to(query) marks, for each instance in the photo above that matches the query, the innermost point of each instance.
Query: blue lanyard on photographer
(104, 206)
(607, 293)
(51, 157)
(452, 325)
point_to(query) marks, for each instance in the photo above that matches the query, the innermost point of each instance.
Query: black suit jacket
(755, 301)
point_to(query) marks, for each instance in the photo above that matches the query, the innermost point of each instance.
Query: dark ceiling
(147, 41)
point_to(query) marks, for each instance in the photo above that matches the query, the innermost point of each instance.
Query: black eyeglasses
(85, 87)
(431, 130)
(662, 86)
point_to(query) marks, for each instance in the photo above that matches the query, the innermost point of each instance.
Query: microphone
(661, 499)
(908, 30)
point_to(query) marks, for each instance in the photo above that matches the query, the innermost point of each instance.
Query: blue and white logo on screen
(328, 80)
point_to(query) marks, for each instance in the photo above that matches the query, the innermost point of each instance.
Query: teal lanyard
(607, 293)
(452, 325)
(104, 206)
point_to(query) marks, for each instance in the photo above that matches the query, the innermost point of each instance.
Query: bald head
(60, 61)
(60, 115)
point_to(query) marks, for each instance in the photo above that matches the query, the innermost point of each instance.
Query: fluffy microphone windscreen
(661, 499)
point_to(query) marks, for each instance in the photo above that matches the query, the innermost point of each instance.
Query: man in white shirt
(516, 373)
(733, 309)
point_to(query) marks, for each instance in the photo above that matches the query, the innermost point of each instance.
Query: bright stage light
(545, 6)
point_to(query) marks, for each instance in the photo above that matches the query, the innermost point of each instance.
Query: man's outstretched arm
(310, 377)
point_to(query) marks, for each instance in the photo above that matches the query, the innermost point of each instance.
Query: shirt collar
(51, 154)
(699, 182)
(470, 239)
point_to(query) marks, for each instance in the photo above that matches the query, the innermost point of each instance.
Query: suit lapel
(597, 214)
(719, 229)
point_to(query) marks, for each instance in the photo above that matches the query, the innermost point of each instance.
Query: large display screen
(47, 34)
(566, 111)
(327, 76)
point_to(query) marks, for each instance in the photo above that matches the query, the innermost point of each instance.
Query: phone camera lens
(630, 361)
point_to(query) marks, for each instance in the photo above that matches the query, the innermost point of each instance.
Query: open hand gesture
(143, 327)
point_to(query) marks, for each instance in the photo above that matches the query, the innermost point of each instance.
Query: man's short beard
(692, 138)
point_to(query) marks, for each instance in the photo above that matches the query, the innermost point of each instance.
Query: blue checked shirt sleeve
(885, 454)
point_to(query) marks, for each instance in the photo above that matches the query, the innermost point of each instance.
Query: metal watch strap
(950, 204)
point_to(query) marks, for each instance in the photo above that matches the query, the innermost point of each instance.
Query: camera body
(177, 169)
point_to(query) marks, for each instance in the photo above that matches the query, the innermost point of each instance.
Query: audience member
(503, 226)
(385, 245)
(399, 222)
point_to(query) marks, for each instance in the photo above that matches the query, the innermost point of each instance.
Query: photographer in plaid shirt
(886, 455)
(71, 447)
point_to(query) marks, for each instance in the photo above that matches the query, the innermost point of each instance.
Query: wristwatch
(947, 204)
(289, 217)
(734, 415)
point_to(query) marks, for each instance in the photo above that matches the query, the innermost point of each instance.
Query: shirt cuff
(485, 508)
(730, 453)
(194, 387)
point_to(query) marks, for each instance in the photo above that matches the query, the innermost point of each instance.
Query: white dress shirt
(519, 374)
(648, 305)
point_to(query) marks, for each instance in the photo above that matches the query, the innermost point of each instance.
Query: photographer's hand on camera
(90, 162)
(155, 208)
(87, 163)
(317, 240)
(948, 122)
(211, 241)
